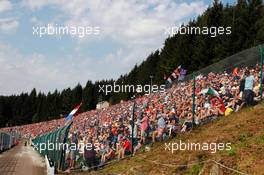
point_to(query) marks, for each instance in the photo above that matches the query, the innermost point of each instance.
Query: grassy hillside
(244, 130)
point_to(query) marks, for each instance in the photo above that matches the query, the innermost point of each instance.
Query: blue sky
(129, 31)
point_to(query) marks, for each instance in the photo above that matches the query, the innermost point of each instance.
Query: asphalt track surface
(21, 160)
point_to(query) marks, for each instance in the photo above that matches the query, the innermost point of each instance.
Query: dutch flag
(73, 112)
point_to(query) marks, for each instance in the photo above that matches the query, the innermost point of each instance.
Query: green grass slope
(244, 130)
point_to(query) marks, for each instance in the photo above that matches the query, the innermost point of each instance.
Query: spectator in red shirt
(125, 148)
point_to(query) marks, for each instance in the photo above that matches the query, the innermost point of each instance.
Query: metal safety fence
(225, 76)
(52, 145)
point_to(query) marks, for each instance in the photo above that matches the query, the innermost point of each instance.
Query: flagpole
(132, 125)
(193, 98)
(261, 71)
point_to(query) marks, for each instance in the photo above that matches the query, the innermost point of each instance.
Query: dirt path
(21, 160)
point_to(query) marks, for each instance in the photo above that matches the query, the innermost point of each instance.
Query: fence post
(65, 134)
(193, 98)
(132, 127)
(261, 71)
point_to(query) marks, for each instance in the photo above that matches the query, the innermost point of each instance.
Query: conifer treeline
(192, 51)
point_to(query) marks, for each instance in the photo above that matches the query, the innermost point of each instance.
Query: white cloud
(5, 5)
(22, 73)
(8, 25)
(137, 25)
(125, 21)
(34, 20)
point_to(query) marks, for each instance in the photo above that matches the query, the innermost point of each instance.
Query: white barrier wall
(50, 170)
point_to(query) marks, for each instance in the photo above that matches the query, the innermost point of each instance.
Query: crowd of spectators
(157, 116)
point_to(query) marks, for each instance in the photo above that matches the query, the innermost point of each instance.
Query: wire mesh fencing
(53, 145)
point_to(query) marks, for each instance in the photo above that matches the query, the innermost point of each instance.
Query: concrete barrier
(50, 170)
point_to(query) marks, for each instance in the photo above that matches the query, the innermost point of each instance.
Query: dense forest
(192, 51)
